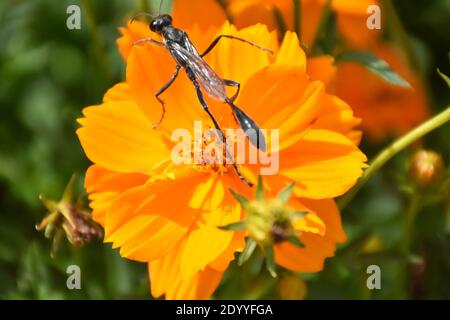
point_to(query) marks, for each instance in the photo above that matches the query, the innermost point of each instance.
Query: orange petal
(208, 194)
(317, 247)
(165, 278)
(133, 32)
(99, 203)
(307, 259)
(261, 99)
(99, 180)
(207, 242)
(304, 116)
(328, 212)
(355, 7)
(119, 138)
(146, 238)
(104, 186)
(245, 13)
(336, 115)
(140, 238)
(237, 244)
(324, 164)
(354, 29)
(310, 20)
(202, 13)
(310, 223)
(236, 60)
(250, 12)
(148, 70)
(203, 246)
(119, 92)
(322, 68)
(157, 198)
(291, 53)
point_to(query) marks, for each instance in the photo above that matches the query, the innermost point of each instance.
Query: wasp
(202, 76)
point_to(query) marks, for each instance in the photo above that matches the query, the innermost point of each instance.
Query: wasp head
(161, 22)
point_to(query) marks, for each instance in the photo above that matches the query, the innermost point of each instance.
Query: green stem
(223, 4)
(388, 153)
(97, 40)
(409, 219)
(298, 18)
(365, 293)
(324, 20)
(280, 22)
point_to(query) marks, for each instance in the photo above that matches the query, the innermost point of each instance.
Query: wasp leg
(216, 41)
(232, 83)
(219, 130)
(161, 91)
(148, 40)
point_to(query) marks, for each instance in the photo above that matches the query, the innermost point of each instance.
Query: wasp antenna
(160, 7)
(140, 15)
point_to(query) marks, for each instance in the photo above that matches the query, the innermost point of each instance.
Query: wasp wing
(203, 73)
(215, 88)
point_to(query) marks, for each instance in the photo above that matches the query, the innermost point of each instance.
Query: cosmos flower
(169, 215)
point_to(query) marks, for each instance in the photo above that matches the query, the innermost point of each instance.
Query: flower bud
(68, 217)
(373, 244)
(292, 287)
(79, 227)
(427, 168)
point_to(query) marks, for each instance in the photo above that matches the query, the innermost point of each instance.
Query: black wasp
(202, 76)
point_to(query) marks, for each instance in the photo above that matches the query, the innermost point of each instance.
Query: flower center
(210, 156)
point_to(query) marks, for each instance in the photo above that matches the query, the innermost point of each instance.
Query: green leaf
(297, 17)
(280, 20)
(270, 261)
(236, 226)
(376, 65)
(325, 22)
(68, 192)
(51, 205)
(34, 271)
(239, 197)
(119, 277)
(247, 253)
(445, 77)
(286, 193)
(259, 194)
(295, 241)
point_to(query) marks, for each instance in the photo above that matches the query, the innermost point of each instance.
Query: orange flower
(386, 109)
(168, 215)
(351, 17)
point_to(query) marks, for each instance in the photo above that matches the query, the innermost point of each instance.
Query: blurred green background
(49, 73)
